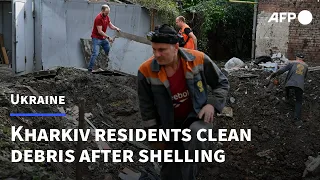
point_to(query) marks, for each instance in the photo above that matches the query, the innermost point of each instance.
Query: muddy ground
(112, 100)
(284, 146)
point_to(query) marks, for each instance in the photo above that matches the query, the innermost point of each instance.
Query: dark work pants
(298, 104)
(186, 171)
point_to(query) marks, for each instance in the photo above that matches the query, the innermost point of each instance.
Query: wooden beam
(153, 11)
(3, 50)
(5, 56)
(133, 37)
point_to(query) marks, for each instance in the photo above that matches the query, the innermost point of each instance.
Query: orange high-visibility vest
(190, 43)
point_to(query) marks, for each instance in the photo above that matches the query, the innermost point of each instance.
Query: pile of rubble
(111, 102)
(278, 149)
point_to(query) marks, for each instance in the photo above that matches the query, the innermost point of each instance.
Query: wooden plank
(152, 19)
(1, 45)
(132, 37)
(5, 56)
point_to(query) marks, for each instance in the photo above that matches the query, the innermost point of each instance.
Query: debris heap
(278, 149)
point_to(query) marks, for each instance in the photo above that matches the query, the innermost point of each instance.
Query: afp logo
(304, 17)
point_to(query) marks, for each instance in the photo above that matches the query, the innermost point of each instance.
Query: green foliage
(238, 28)
(230, 24)
(213, 11)
(167, 10)
(231, 21)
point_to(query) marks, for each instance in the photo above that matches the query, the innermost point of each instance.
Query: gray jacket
(296, 75)
(155, 99)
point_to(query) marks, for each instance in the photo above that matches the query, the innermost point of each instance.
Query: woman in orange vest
(186, 32)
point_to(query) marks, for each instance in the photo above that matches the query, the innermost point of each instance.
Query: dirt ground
(112, 100)
(286, 147)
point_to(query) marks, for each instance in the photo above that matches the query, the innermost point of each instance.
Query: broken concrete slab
(101, 60)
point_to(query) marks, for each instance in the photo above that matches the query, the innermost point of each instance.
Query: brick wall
(301, 38)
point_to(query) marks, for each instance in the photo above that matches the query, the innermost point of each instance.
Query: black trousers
(186, 170)
(299, 96)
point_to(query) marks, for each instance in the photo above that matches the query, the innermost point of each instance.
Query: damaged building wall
(62, 24)
(292, 37)
(271, 35)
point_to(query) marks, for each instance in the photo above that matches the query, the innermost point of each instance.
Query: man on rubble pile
(99, 36)
(190, 40)
(294, 81)
(173, 94)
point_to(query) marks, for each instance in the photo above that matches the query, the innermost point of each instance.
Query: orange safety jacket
(190, 43)
(155, 99)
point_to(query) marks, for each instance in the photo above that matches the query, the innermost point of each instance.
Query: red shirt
(100, 20)
(180, 94)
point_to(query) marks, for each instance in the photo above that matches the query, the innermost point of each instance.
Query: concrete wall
(60, 25)
(6, 25)
(271, 35)
(127, 56)
(289, 38)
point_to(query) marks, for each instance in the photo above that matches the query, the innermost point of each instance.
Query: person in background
(99, 36)
(297, 72)
(173, 94)
(189, 38)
